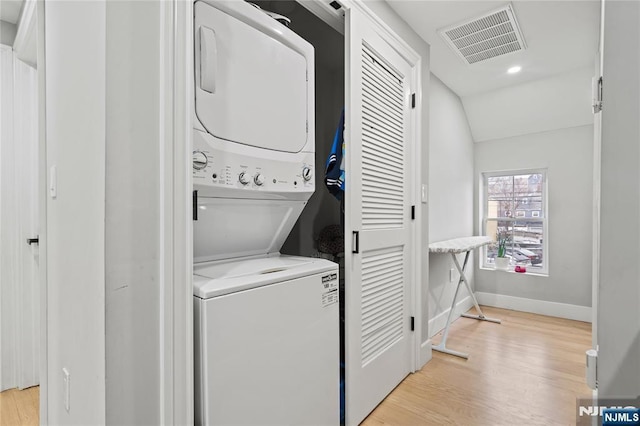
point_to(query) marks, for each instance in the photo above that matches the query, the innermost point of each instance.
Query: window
(514, 205)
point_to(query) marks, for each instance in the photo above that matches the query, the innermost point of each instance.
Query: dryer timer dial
(200, 160)
(244, 178)
(306, 173)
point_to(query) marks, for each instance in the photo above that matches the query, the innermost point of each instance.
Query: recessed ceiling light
(514, 70)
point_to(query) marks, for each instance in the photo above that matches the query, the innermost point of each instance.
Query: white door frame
(182, 300)
(177, 236)
(596, 207)
(24, 48)
(180, 353)
(597, 166)
(42, 211)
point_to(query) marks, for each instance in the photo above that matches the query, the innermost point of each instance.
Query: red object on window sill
(521, 269)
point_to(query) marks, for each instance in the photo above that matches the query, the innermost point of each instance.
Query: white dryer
(266, 325)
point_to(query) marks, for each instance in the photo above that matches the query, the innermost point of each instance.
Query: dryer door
(254, 77)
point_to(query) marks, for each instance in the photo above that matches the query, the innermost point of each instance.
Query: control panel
(232, 169)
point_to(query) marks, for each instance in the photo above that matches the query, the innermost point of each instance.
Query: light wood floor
(20, 407)
(527, 371)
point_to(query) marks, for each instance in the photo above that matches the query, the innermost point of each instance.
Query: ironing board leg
(463, 278)
(442, 346)
(443, 349)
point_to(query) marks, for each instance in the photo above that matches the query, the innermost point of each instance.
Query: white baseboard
(542, 307)
(425, 353)
(437, 323)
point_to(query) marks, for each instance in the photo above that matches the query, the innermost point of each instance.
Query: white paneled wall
(26, 166)
(8, 356)
(19, 299)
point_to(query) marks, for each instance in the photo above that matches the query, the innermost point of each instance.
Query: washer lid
(254, 77)
(238, 228)
(217, 279)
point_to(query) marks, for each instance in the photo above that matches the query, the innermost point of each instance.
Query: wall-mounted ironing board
(456, 246)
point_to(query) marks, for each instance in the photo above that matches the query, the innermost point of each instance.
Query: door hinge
(597, 96)
(195, 205)
(592, 369)
(413, 212)
(413, 323)
(413, 100)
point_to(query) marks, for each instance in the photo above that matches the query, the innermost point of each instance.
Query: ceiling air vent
(493, 34)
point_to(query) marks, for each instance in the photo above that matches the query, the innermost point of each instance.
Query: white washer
(266, 325)
(266, 342)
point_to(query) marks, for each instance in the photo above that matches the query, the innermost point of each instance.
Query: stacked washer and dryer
(266, 325)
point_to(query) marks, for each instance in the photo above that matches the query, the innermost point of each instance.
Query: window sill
(511, 271)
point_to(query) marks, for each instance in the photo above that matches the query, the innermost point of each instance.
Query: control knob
(244, 178)
(259, 179)
(306, 173)
(200, 160)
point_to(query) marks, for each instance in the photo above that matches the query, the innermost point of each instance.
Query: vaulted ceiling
(561, 36)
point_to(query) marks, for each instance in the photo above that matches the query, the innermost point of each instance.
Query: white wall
(539, 106)
(25, 45)
(450, 196)
(133, 208)
(75, 143)
(7, 33)
(567, 155)
(619, 293)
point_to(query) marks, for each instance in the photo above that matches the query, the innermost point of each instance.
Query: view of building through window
(514, 208)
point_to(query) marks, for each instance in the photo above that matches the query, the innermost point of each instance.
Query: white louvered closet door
(378, 218)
